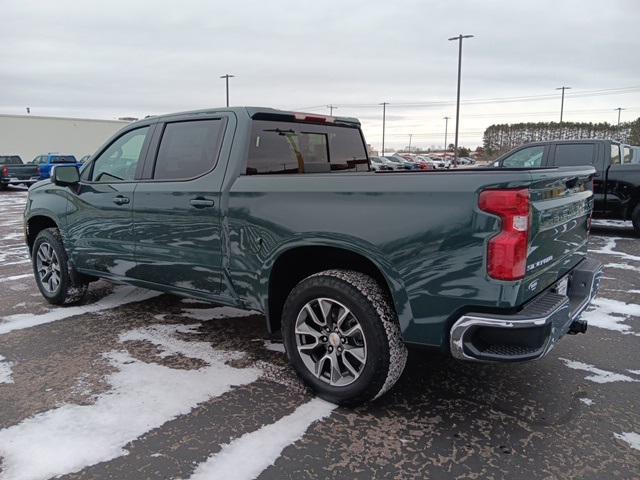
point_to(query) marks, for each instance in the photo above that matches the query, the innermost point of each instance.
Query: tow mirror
(65, 175)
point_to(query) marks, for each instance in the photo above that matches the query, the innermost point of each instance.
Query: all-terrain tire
(366, 299)
(635, 219)
(72, 285)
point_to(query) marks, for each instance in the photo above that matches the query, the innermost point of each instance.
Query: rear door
(177, 207)
(99, 219)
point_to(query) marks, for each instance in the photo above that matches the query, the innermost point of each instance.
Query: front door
(177, 208)
(100, 218)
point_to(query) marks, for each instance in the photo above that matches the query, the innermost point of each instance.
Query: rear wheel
(635, 219)
(56, 278)
(342, 336)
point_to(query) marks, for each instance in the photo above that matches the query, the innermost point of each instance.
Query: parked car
(423, 164)
(486, 264)
(378, 164)
(400, 163)
(616, 184)
(14, 172)
(45, 162)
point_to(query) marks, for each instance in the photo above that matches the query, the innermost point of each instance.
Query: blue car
(47, 161)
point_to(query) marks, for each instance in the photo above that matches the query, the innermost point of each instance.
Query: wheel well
(296, 264)
(35, 225)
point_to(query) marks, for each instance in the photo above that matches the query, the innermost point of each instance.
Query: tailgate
(22, 172)
(561, 204)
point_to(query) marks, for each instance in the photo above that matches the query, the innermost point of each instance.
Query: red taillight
(507, 252)
(304, 117)
(5, 171)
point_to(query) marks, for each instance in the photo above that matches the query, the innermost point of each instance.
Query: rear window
(574, 154)
(188, 149)
(627, 155)
(10, 160)
(289, 147)
(62, 159)
(615, 153)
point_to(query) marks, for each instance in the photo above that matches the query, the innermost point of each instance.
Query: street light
(226, 78)
(384, 120)
(410, 137)
(459, 38)
(446, 128)
(619, 109)
(331, 109)
(563, 88)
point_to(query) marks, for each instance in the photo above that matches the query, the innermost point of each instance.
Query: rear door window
(290, 147)
(574, 154)
(188, 149)
(615, 154)
(529, 157)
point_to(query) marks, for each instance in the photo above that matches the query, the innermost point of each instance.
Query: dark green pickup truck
(279, 212)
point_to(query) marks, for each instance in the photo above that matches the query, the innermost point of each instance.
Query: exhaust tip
(578, 326)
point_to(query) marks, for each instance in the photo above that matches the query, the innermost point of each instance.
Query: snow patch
(632, 438)
(274, 346)
(250, 454)
(622, 266)
(204, 314)
(635, 372)
(143, 396)
(16, 277)
(6, 375)
(609, 248)
(599, 375)
(586, 401)
(611, 314)
(121, 295)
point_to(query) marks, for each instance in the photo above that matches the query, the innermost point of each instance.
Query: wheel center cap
(334, 339)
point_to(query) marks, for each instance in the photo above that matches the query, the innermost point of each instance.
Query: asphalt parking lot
(134, 384)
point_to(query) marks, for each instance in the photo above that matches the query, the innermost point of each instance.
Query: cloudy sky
(106, 59)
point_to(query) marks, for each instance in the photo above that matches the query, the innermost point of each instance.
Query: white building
(30, 135)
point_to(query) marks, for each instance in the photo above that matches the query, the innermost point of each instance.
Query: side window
(289, 147)
(615, 154)
(119, 161)
(627, 155)
(574, 154)
(526, 158)
(188, 149)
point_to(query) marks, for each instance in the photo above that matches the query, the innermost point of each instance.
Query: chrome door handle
(201, 203)
(120, 200)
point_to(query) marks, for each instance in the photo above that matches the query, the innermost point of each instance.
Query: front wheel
(57, 280)
(342, 336)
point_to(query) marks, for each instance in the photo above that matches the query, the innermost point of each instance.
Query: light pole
(563, 88)
(446, 130)
(459, 39)
(619, 109)
(226, 78)
(384, 121)
(331, 109)
(410, 137)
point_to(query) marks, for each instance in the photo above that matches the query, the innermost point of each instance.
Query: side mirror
(65, 175)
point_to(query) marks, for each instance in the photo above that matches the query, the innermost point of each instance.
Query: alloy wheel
(330, 341)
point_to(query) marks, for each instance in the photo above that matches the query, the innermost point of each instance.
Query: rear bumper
(531, 333)
(18, 181)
